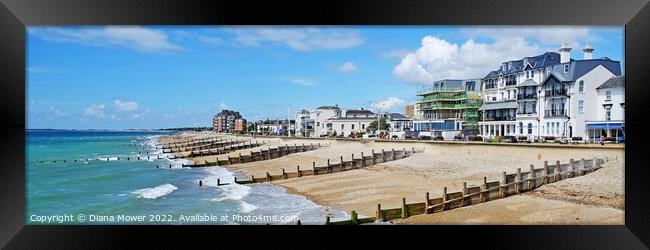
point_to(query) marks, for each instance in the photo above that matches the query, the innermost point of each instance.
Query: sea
(98, 185)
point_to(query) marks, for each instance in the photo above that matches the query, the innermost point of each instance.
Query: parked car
(510, 139)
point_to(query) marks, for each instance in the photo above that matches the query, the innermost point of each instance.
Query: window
(494, 98)
(352, 126)
(608, 115)
(566, 68)
(317, 124)
(527, 74)
(548, 125)
(532, 73)
(521, 127)
(608, 95)
(342, 126)
(581, 106)
(363, 126)
(581, 86)
(530, 128)
(557, 128)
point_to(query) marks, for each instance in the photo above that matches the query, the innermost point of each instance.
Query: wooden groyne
(211, 145)
(510, 184)
(262, 155)
(189, 142)
(341, 165)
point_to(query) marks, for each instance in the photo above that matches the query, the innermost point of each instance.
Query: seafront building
(354, 121)
(240, 125)
(224, 121)
(304, 125)
(549, 96)
(448, 107)
(610, 112)
(320, 118)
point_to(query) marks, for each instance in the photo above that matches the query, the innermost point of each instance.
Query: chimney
(588, 51)
(565, 53)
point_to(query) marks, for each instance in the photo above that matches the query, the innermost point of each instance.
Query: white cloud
(552, 36)
(223, 106)
(438, 59)
(348, 67)
(95, 110)
(389, 104)
(210, 40)
(133, 37)
(302, 39)
(57, 113)
(128, 106)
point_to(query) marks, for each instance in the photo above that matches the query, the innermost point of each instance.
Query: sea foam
(154, 193)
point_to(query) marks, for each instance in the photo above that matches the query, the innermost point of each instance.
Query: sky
(150, 77)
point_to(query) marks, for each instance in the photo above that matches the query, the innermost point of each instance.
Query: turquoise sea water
(105, 190)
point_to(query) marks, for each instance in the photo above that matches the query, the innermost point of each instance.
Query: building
(610, 112)
(354, 121)
(447, 108)
(549, 96)
(320, 118)
(399, 124)
(224, 122)
(240, 125)
(275, 127)
(304, 124)
(409, 110)
(513, 85)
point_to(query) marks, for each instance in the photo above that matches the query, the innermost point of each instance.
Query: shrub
(610, 138)
(522, 138)
(477, 138)
(458, 137)
(425, 137)
(496, 139)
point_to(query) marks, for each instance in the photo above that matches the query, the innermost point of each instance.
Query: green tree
(372, 127)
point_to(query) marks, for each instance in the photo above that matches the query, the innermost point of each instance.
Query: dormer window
(532, 73)
(566, 68)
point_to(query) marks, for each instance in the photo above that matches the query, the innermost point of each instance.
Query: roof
(498, 105)
(539, 61)
(528, 82)
(329, 107)
(578, 68)
(614, 82)
(397, 116)
(358, 111)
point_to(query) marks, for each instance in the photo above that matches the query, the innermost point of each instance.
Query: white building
(609, 112)
(568, 95)
(321, 119)
(510, 95)
(354, 121)
(398, 124)
(304, 125)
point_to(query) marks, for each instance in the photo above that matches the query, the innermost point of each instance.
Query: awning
(605, 125)
(498, 105)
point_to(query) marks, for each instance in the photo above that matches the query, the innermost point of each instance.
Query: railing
(526, 96)
(510, 83)
(555, 92)
(526, 112)
(431, 90)
(555, 113)
(499, 118)
(443, 98)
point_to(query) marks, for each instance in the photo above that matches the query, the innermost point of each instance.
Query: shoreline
(443, 165)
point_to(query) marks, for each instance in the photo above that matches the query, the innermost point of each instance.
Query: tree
(372, 127)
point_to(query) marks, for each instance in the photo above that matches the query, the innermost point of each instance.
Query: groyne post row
(510, 184)
(193, 141)
(262, 155)
(342, 165)
(215, 144)
(107, 159)
(176, 146)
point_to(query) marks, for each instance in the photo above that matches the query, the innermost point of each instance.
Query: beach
(596, 198)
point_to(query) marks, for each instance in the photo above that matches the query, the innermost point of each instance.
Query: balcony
(555, 92)
(510, 83)
(526, 112)
(526, 96)
(555, 113)
(498, 118)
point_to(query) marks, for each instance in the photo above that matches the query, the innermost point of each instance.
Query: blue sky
(117, 77)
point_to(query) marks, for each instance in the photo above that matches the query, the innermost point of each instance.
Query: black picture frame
(15, 15)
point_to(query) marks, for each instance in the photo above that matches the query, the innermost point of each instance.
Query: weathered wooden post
(284, 174)
(363, 160)
(354, 163)
(383, 155)
(427, 203)
(298, 170)
(518, 182)
(218, 182)
(444, 198)
(379, 215)
(342, 164)
(404, 208)
(393, 154)
(593, 163)
(253, 178)
(327, 220)
(413, 150)
(504, 181)
(314, 167)
(268, 176)
(373, 157)
(572, 167)
(328, 169)
(482, 195)
(545, 172)
(558, 172)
